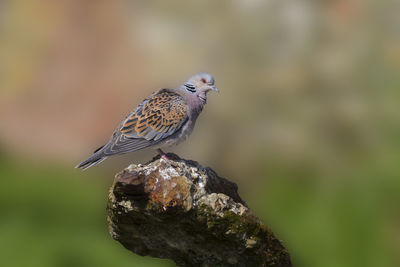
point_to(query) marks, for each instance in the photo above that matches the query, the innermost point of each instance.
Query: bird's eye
(203, 80)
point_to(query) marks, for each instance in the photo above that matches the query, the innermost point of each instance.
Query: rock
(177, 209)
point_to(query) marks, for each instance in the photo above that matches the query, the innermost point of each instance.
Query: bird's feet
(162, 154)
(169, 161)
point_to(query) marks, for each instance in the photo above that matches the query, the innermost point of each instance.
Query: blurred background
(307, 121)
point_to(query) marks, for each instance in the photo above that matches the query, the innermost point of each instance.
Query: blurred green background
(307, 121)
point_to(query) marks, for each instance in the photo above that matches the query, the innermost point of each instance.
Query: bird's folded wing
(121, 144)
(157, 117)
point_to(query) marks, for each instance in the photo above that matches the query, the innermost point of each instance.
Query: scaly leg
(162, 154)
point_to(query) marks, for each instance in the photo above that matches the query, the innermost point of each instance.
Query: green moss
(230, 221)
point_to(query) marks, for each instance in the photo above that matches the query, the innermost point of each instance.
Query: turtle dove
(165, 118)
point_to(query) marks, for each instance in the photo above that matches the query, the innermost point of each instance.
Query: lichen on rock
(179, 210)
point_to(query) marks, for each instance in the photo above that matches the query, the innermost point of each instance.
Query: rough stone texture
(179, 210)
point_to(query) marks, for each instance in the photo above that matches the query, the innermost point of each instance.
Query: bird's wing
(159, 116)
(156, 118)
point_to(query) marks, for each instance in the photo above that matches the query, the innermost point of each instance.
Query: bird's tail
(94, 159)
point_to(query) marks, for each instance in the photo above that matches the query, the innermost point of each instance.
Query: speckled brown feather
(159, 115)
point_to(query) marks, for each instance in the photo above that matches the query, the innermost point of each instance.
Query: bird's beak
(214, 88)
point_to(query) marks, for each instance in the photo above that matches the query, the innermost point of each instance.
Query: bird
(165, 118)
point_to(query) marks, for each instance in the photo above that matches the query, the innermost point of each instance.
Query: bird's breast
(181, 135)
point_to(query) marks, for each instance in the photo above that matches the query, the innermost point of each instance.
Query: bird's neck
(196, 102)
(196, 105)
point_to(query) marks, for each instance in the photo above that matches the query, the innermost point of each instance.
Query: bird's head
(200, 84)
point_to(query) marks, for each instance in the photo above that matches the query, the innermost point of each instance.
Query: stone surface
(179, 210)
